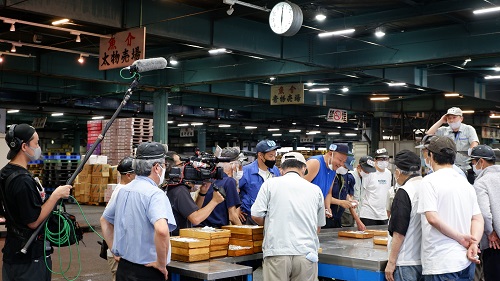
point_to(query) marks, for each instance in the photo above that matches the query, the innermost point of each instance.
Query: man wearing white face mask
(423, 148)
(464, 136)
(374, 191)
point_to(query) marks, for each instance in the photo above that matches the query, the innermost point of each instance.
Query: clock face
(285, 18)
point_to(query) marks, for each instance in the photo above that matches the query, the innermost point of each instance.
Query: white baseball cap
(454, 111)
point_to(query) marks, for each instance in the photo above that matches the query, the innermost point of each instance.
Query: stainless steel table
(208, 270)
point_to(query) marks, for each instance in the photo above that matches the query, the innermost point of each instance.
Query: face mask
(330, 166)
(37, 152)
(238, 175)
(162, 176)
(396, 179)
(428, 165)
(455, 125)
(363, 174)
(476, 170)
(382, 164)
(269, 163)
(342, 170)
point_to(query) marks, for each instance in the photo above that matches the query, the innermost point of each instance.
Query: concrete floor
(93, 268)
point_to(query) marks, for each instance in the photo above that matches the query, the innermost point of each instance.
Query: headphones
(13, 141)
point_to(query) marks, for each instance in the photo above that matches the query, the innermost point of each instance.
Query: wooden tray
(219, 241)
(219, 247)
(199, 243)
(216, 254)
(380, 241)
(201, 257)
(239, 242)
(253, 237)
(257, 249)
(242, 252)
(190, 252)
(355, 234)
(378, 232)
(198, 233)
(245, 229)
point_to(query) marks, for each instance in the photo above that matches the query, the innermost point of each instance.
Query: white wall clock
(285, 18)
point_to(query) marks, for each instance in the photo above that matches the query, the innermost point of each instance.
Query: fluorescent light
(173, 60)
(255, 57)
(217, 51)
(58, 114)
(452, 95)
(487, 10)
(311, 133)
(338, 32)
(97, 117)
(379, 98)
(250, 127)
(277, 135)
(61, 21)
(379, 32)
(183, 125)
(350, 134)
(309, 84)
(196, 124)
(273, 129)
(294, 131)
(496, 68)
(170, 122)
(334, 133)
(320, 17)
(338, 127)
(467, 111)
(272, 78)
(494, 116)
(319, 90)
(344, 89)
(169, 104)
(13, 111)
(489, 77)
(396, 84)
(317, 125)
(224, 126)
(294, 123)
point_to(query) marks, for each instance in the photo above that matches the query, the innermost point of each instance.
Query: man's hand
(494, 241)
(205, 186)
(443, 119)
(389, 271)
(328, 212)
(361, 226)
(466, 240)
(473, 253)
(162, 268)
(346, 204)
(62, 191)
(241, 215)
(218, 198)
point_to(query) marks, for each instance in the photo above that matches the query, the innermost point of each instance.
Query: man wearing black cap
(127, 175)
(138, 222)
(256, 173)
(404, 224)
(23, 201)
(482, 159)
(227, 211)
(452, 224)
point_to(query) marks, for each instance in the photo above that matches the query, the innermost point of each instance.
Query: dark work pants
(368, 222)
(491, 262)
(128, 271)
(34, 271)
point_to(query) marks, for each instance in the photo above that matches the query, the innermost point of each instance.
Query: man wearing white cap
(464, 136)
(293, 256)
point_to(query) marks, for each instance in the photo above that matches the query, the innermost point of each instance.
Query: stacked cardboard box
(81, 187)
(246, 236)
(123, 135)
(189, 249)
(99, 183)
(218, 239)
(94, 129)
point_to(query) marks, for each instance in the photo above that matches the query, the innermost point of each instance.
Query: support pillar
(160, 117)
(202, 138)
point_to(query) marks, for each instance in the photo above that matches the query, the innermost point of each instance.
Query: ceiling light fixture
(344, 89)
(217, 51)
(173, 60)
(449, 95)
(277, 135)
(250, 127)
(61, 21)
(350, 134)
(232, 2)
(294, 131)
(197, 124)
(493, 115)
(1, 58)
(13, 27)
(396, 84)
(468, 111)
(379, 98)
(13, 49)
(294, 123)
(309, 84)
(273, 129)
(379, 32)
(224, 126)
(487, 10)
(490, 77)
(80, 59)
(496, 68)
(467, 60)
(97, 117)
(311, 133)
(320, 17)
(13, 111)
(334, 133)
(57, 114)
(183, 125)
(78, 39)
(319, 90)
(230, 10)
(338, 32)
(170, 122)
(272, 78)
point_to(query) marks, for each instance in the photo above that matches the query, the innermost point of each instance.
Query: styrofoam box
(102, 159)
(92, 159)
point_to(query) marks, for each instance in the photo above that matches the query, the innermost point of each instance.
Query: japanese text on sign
(337, 115)
(186, 132)
(287, 94)
(306, 139)
(122, 49)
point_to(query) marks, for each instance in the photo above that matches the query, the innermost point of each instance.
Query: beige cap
(454, 111)
(293, 155)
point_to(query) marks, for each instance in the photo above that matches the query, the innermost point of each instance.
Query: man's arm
(445, 229)
(162, 238)
(234, 216)
(201, 198)
(60, 192)
(432, 130)
(359, 223)
(476, 229)
(259, 220)
(312, 169)
(397, 241)
(107, 231)
(198, 216)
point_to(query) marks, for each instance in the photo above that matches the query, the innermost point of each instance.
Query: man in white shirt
(374, 191)
(452, 224)
(290, 248)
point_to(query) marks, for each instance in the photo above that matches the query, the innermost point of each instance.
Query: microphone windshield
(148, 64)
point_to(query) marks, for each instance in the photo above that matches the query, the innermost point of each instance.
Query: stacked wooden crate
(188, 249)
(218, 242)
(246, 236)
(123, 135)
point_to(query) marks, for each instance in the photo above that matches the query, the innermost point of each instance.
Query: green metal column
(375, 135)
(160, 117)
(202, 138)
(76, 141)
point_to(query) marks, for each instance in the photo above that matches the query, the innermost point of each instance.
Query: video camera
(197, 169)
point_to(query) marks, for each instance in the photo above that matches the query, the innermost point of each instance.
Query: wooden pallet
(355, 234)
(384, 233)
(380, 241)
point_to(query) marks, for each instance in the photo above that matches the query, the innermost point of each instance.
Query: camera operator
(186, 211)
(227, 211)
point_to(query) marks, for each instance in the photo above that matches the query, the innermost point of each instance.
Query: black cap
(367, 163)
(231, 153)
(442, 145)
(425, 141)
(340, 148)
(22, 132)
(482, 151)
(266, 146)
(381, 153)
(150, 151)
(407, 160)
(125, 165)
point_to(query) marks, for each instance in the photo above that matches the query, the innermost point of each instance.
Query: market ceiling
(433, 47)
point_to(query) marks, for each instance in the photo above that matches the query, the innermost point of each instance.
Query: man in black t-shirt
(25, 208)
